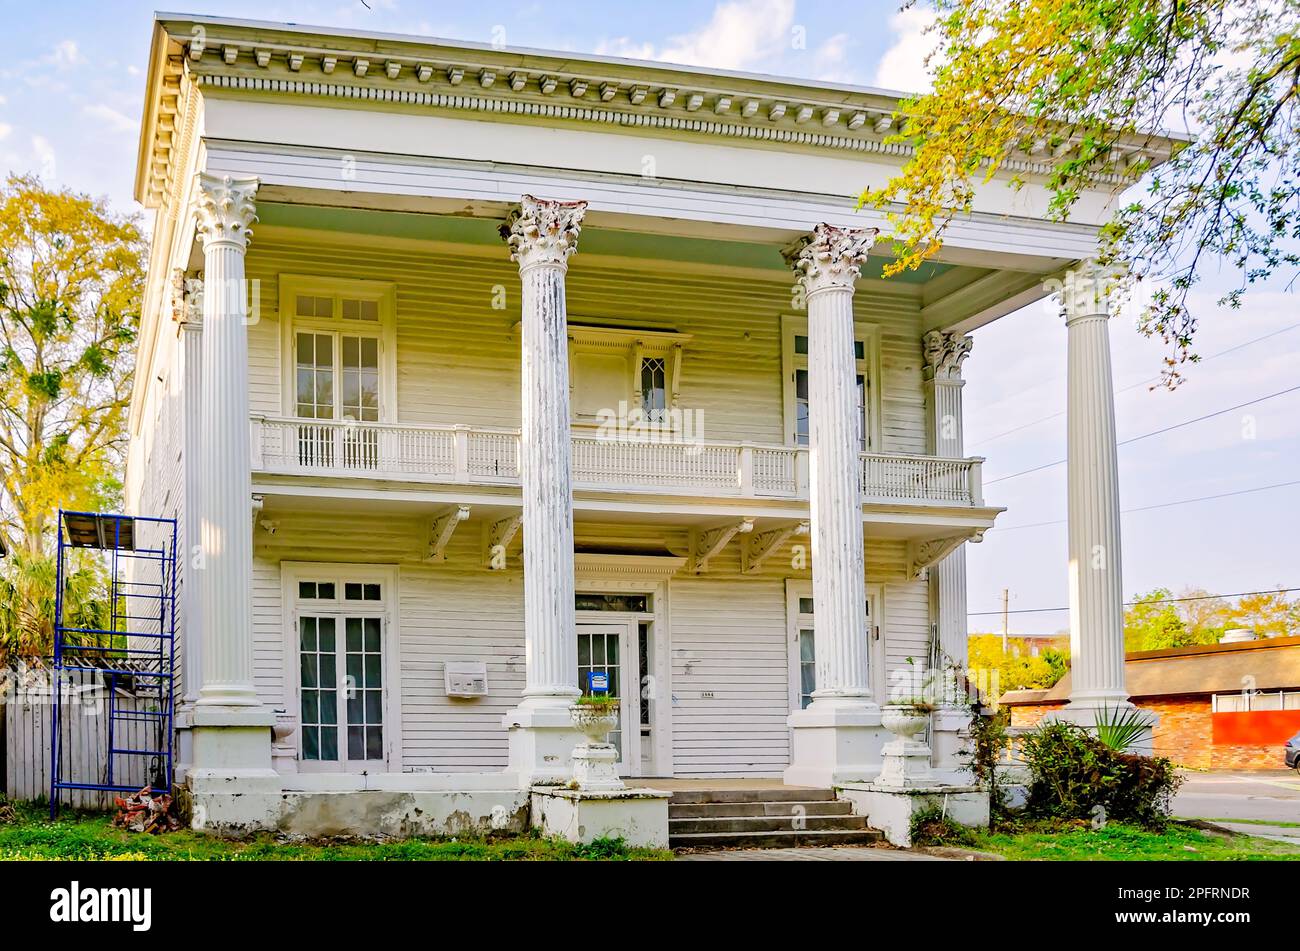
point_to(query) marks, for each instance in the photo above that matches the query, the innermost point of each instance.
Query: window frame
(639, 344)
(868, 334)
(384, 293)
(797, 620)
(291, 574)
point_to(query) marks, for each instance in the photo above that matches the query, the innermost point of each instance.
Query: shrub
(988, 740)
(932, 827)
(1073, 773)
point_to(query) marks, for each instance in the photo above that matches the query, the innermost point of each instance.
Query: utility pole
(1006, 594)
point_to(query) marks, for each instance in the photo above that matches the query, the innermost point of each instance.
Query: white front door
(608, 645)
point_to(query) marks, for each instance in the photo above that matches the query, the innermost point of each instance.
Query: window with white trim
(1249, 701)
(340, 353)
(342, 692)
(616, 369)
(794, 361)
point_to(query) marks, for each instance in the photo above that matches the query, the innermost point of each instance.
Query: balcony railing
(482, 456)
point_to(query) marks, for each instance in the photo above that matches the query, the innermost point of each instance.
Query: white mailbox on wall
(466, 679)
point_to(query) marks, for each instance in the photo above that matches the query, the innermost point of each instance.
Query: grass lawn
(29, 835)
(1180, 842)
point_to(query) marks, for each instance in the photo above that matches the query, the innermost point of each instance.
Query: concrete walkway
(846, 854)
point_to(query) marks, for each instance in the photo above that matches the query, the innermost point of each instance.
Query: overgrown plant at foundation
(989, 738)
(1074, 775)
(932, 827)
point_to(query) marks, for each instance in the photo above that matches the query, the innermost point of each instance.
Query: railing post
(801, 473)
(255, 445)
(976, 476)
(746, 470)
(460, 451)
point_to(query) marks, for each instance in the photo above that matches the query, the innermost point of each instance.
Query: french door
(609, 646)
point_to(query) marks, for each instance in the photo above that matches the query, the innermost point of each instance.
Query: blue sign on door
(597, 682)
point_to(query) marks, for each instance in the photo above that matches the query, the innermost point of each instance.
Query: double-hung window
(866, 356)
(340, 366)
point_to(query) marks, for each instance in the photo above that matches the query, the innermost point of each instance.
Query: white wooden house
(428, 478)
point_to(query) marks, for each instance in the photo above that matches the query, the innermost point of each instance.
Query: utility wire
(1158, 432)
(1161, 505)
(1133, 386)
(1129, 604)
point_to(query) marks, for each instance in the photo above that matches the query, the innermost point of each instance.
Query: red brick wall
(1185, 734)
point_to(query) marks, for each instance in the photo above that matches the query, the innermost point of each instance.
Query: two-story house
(468, 372)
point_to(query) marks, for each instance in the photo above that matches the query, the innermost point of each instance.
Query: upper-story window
(621, 371)
(340, 354)
(794, 361)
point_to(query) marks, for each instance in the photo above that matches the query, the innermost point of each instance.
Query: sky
(71, 87)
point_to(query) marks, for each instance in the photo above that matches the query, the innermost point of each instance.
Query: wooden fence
(25, 739)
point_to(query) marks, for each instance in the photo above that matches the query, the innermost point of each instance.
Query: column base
(905, 764)
(231, 787)
(541, 737)
(835, 742)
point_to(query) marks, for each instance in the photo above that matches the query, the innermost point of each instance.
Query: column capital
(830, 257)
(187, 300)
(543, 231)
(225, 208)
(1089, 289)
(944, 354)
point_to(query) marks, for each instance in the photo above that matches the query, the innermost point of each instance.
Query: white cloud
(115, 120)
(903, 65)
(45, 157)
(741, 34)
(5, 129)
(65, 53)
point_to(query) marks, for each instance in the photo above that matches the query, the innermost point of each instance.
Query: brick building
(1222, 706)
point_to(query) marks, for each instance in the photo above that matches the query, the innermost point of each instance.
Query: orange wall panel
(1256, 728)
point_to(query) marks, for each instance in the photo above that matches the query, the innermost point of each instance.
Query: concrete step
(774, 840)
(786, 823)
(787, 794)
(700, 810)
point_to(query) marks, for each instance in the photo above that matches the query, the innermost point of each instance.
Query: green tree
(1077, 85)
(1152, 622)
(71, 279)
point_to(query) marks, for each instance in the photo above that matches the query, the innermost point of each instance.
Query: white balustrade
(477, 455)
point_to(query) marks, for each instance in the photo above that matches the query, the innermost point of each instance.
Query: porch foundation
(891, 809)
(834, 745)
(637, 816)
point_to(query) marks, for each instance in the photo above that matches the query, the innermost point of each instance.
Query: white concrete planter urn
(595, 760)
(904, 720)
(595, 722)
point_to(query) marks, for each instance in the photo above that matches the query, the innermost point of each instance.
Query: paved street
(1272, 795)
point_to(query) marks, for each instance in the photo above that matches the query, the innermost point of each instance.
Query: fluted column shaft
(190, 307)
(944, 355)
(225, 212)
(1096, 578)
(828, 263)
(542, 235)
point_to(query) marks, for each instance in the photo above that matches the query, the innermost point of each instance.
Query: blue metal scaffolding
(130, 660)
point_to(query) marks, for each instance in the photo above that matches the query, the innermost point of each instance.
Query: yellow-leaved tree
(71, 279)
(1081, 87)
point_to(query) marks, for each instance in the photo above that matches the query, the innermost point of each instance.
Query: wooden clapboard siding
(728, 627)
(458, 358)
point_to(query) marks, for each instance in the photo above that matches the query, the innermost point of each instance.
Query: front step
(764, 818)
(818, 838)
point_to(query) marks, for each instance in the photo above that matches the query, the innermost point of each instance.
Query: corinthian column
(1096, 578)
(835, 738)
(541, 236)
(231, 728)
(944, 354)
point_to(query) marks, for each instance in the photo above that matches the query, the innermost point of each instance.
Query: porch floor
(668, 784)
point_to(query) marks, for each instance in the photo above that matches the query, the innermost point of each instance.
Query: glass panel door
(607, 647)
(341, 689)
